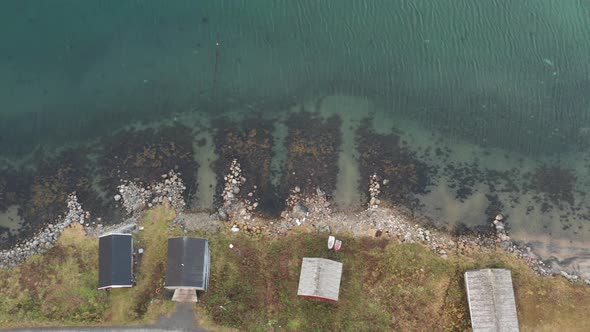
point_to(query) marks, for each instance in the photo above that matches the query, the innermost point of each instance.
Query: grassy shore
(59, 288)
(385, 286)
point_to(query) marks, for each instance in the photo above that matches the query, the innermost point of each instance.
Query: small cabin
(115, 261)
(187, 269)
(320, 279)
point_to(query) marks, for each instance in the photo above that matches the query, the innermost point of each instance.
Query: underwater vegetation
(385, 156)
(55, 179)
(41, 194)
(556, 183)
(312, 152)
(250, 142)
(145, 155)
(14, 187)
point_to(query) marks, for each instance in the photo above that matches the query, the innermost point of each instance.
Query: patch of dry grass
(550, 304)
(59, 288)
(142, 303)
(385, 286)
(56, 288)
(253, 286)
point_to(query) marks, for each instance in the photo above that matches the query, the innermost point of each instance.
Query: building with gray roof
(320, 279)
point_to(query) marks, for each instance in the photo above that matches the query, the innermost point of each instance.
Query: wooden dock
(491, 300)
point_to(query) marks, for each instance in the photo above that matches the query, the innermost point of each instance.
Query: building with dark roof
(188, 264)
(115, 261)
(320, 279)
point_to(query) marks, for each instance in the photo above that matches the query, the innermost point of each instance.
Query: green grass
(143, 302)
(253, 286)
(60, 287)
(385, 286)
(56, 288)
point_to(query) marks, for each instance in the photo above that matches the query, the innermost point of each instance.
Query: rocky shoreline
(311, 212)
(46, 238)
(134, 198)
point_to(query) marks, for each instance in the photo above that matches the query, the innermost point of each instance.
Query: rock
(499, 217)
(505, 244)
(408, 237)
(222, 215)
(299, 210)
(117, 197)
(570, 277)
(236, 190)
(385, 181)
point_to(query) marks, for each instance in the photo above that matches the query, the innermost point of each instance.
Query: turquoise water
(505, 83)
(507, 73)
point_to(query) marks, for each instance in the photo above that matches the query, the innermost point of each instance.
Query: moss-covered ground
(385, 286)
(253, 286)
(59, 288)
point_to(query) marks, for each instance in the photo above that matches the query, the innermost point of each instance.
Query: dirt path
(182, 319)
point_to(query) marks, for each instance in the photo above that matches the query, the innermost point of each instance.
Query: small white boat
(331, 240)
(337, 245)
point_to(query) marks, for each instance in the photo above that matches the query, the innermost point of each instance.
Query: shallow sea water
(503, 85)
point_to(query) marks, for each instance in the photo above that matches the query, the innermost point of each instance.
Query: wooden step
(185, 295)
